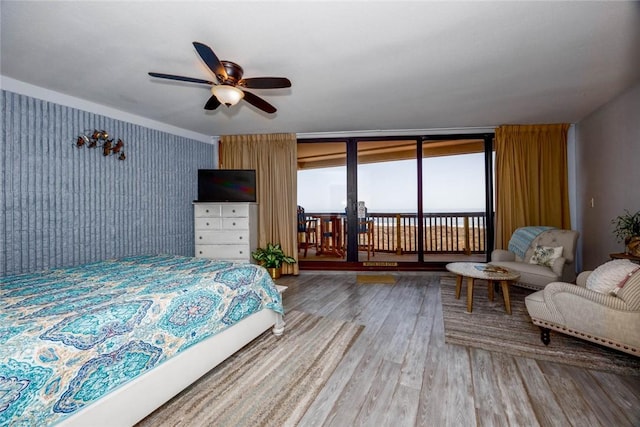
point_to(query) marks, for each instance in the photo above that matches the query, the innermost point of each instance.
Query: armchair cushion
(532, 276)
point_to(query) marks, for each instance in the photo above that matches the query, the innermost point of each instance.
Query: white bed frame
(130, 403)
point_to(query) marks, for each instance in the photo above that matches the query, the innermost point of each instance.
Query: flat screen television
(226, 185)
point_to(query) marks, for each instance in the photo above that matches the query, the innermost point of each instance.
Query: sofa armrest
(558, 266)
(565, 303)
(502, 255)
(582, 293)
(582, 278)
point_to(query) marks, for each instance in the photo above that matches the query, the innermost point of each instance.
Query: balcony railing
(450, 232)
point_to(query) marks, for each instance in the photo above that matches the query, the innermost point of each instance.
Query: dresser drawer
(225, 252)
(222, 237)
(208, 223)
(222, 223)
(207, 210)
(239, 210)
(240, 223)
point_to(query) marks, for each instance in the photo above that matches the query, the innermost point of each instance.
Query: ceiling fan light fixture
(227, 95)
(227, 87)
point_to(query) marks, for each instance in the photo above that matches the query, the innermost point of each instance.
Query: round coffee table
(488, 272)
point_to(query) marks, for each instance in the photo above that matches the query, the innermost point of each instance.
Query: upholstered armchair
(609, 318)
(541, 255)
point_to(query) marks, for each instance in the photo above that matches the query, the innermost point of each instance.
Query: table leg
(322, 244)
(490, 290)
(505, 295)
(469, 294)
(330, 237)
(458, 285)
(337, 237)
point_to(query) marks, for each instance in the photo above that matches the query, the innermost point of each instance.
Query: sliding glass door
(395, 202)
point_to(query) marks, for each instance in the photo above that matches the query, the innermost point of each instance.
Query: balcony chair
(541, 255)
(365, 235)
(307, 231)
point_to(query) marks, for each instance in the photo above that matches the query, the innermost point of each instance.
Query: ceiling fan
(229, 88)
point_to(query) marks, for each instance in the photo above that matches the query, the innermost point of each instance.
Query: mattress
(69, 336)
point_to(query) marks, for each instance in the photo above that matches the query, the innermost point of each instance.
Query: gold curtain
(531, 178)
(274, 157)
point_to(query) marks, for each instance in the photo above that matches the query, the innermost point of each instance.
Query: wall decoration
(100, 138)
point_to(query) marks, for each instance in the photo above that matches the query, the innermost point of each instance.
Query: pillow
(606, 278)
(630, 293)
(620, 285)
(545, 255)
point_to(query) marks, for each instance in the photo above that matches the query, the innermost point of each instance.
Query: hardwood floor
(400, 372)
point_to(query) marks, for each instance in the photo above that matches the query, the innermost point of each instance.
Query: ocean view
(450, 184)
(453, 194)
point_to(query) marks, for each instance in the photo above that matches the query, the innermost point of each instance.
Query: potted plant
(272, 257)
(626, 227)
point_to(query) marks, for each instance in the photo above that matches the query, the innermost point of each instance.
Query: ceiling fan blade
(265, 83)
(180, 78)
(258, 102)
(212, 103)
(212, 61)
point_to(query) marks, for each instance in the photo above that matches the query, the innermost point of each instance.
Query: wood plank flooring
(400, 372)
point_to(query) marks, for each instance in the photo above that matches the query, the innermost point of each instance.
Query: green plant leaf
(626, 225)
(272, 256)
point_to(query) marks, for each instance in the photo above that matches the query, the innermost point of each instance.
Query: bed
(107, 343)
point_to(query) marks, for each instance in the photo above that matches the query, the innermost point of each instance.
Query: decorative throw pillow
(606, 278)
(630, 293)
(545, 255)
(620, 285)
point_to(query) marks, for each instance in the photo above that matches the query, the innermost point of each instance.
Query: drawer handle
(234, 223)
(241, 252)
(233, 210)
(200, 252)
(240, 237)
(207, 224)
(200, 237)
(207, 210)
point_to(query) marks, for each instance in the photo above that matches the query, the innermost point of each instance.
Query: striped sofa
(575, 310)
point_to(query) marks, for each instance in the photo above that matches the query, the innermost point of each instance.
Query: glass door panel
(387, 202)
(322, 194)
(454, 200)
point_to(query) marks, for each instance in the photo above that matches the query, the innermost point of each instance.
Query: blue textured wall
(62, 205)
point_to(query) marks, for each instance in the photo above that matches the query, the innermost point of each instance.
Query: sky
(452, 184)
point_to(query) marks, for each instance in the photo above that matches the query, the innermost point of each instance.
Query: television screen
(226, 185)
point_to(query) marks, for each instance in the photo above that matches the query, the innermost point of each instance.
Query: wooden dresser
(226, 231)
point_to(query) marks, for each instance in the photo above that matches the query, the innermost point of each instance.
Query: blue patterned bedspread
(71, 335)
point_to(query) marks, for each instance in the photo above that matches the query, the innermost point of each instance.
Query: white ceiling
(355, 66)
